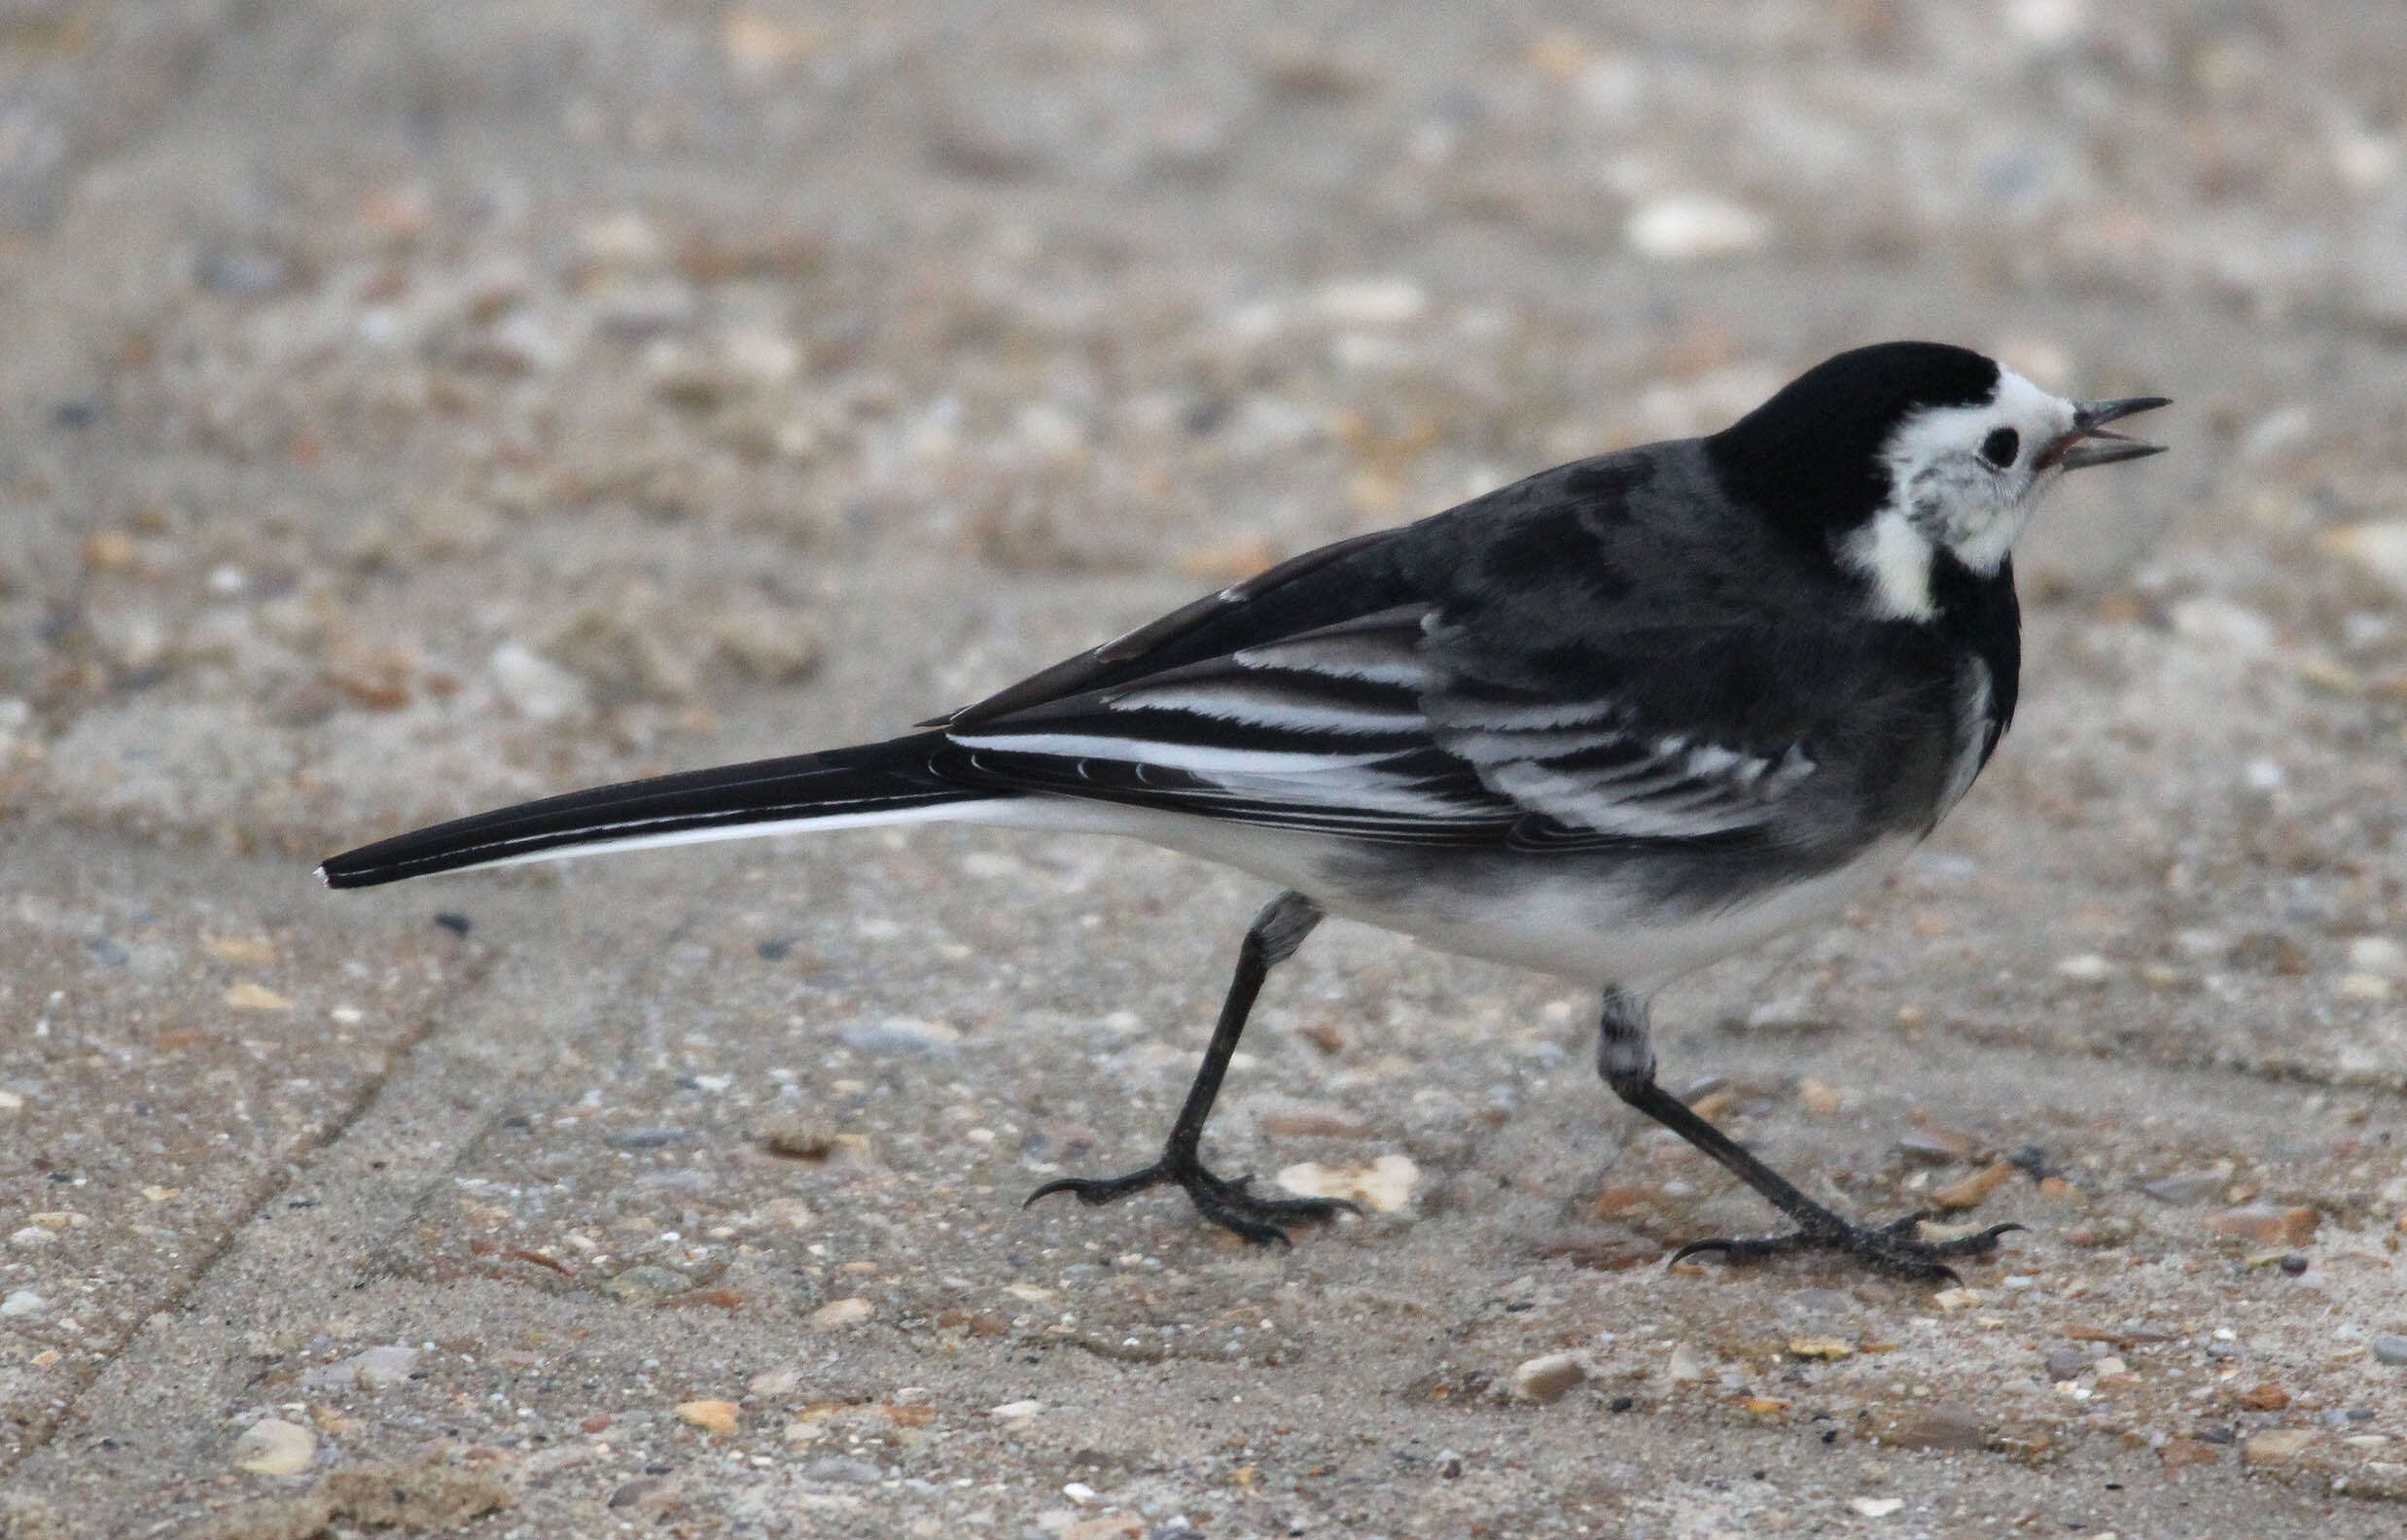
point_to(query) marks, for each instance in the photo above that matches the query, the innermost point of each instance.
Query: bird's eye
(2000, 447)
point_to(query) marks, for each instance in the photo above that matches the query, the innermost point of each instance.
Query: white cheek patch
(1987, 544)
(1949, 495)
(1896, 557)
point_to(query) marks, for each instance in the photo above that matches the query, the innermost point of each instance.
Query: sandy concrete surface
(411, 405)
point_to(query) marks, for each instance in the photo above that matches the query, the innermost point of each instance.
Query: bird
(1611, 722)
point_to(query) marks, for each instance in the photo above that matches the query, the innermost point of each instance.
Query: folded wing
(1363, 729)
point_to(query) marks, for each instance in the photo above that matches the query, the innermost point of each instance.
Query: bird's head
(1895, 453)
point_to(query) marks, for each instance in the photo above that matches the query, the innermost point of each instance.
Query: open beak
(2092, 443)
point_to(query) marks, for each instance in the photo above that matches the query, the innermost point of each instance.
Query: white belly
(1573, 916)
(1588, 928)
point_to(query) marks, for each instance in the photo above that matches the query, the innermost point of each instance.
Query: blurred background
(412, 405)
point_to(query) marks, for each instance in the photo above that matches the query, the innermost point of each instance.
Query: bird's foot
(1224, 1201)
(1892, 1248)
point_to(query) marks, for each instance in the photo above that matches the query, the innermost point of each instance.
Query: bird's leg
(1628, 1065)
(1273, 937)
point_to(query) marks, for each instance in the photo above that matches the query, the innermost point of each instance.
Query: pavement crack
(461, 976)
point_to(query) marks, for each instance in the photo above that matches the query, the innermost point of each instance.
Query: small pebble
(1545, 1379)
(1612, 1203)
(1876, 1507)
(2266, 1397)
(2234, 628)
(2390, 1348)
(1935, 1147)
(1383, 1185)
(2088, 968)
(2380, 955)
(2093, 1234)
(247, 951)
(1684, 1368)
(1015, 1411)
(1795, 1014)
(646, 1494)
(838, 1468)
(902, 1034)
(2378, 547)
(770, 1384)
(274, 1447)
(769, 645)
(1816, 1305)
(2267, 1224)
(646, 1285)
(538, 688)
(2065, 1363)
(1693, 227)
(1928, 1425)
(376, 1368)
(798, 1137)
(1974, 1189)
(2279, 1447)
(2363, 987)
(711, 1416)
(23, 1302)
(2185, 1187)
(645, 1139)
(836, 1314)
(788, 1214)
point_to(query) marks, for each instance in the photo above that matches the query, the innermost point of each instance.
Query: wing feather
(1361, 728)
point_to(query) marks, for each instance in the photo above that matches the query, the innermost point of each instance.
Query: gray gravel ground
(411, 407)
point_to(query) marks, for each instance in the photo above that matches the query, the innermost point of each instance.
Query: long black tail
(872, 783)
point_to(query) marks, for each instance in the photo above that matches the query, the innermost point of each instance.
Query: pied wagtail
(1612, 722)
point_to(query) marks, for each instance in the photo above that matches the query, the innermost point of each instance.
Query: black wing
(1430, 712)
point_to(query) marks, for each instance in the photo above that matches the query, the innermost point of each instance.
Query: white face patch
(1950, 493)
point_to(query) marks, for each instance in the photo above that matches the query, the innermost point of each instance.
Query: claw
(1225, 1202)
(1890, 1249)
(1096, 1191)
